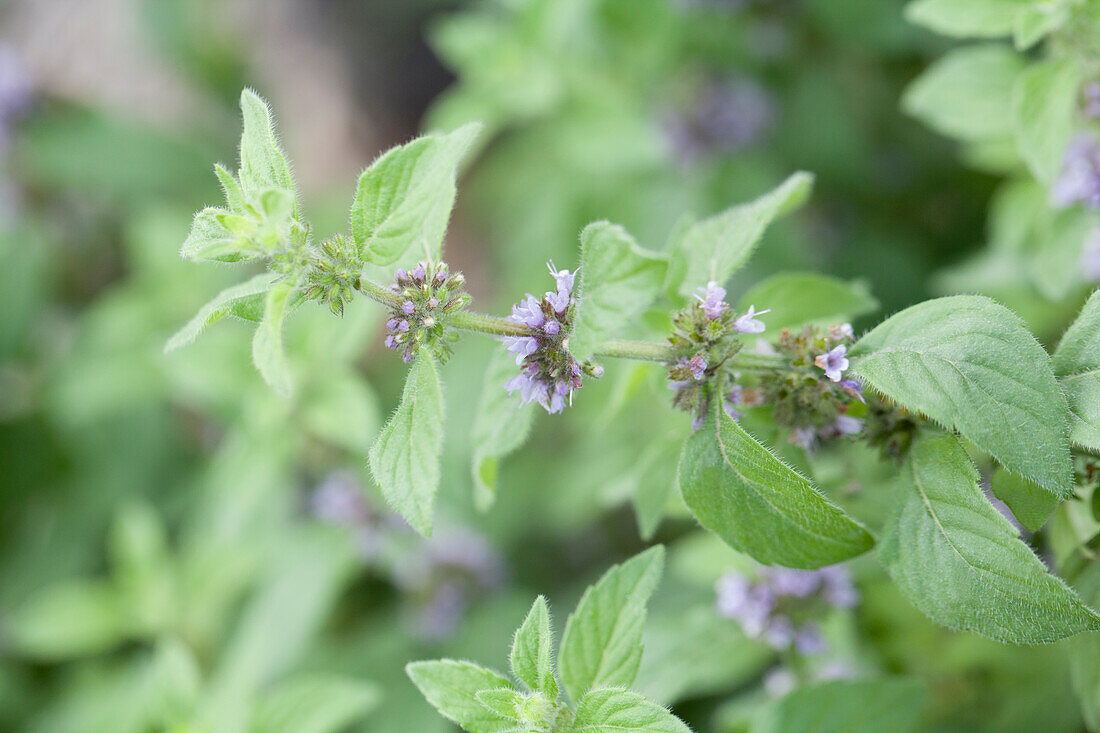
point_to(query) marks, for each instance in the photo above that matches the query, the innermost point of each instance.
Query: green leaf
(800, 298)
(452, 687)
(966, 18)
(619, 711)
(715, 248)
(1036, 21)
(318, 703)
(66, 620)
(1030, 504)
(267, 343)
(602, 644)
(969, 363)
(405, 197)
(960, 562)
(656, 482)
(505, 703)
(1077, 364)
(967, 94)
(530, 658)
(244, 300)
(405, 458)
(210, 240)
(1084, 652)
(263, 164)
(1044, 103)
(847, 706)
(618, 281)
(759, 505)
(501, 425)
(234, 196)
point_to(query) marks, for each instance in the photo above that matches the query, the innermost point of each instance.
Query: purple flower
(418, 273)
(408, 307)
(528, 312)
(1079, 181)
(853, 387)
(521, 346)
(733, 399)
(713, 300)
(391, 342)
(1092, 100)
(834, 362)
(846, 425)
(727, 116)
(698, 366)
(552, 327)
(559, 301)
(563, 278)
(1090, 257)
(747, 324)
(808, 640)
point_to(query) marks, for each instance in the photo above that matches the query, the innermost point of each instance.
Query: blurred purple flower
(833, 362)
(745, 323)
(1079, 180)
(1092, 100)
(1090, 257)
(713, 299)
(726, 116)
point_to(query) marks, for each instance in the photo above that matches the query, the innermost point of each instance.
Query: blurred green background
(180, 549)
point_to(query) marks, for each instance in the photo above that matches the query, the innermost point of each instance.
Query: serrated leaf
(846, 706)
(1030, 504)
(501, 425)
(960, 562)
(715, 248)
(618, 280)
(621, 711)
(800, 298)
(969, 363)
(757, 504)
(967, 94)
(602, 643)
(531, 651)
(452, 687)
(244, 300)
(404, 460)
(966, 18)
(404, 199)
(317, 703)
(1044, 105)
(1077, 365)
(263, 164)
(267, 343)
(210, 240)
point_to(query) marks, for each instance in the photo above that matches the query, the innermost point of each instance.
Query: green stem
(469, 321)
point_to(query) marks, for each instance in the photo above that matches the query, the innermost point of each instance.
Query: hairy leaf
(618, 282)
(759, 505)
(620, 711)
(452, 686)
(263, 164)
(267, 343)
(1077, 364)
(960, 562)
(1044, 102)
(800, 298)
(405, 458)
(531, 651)
(501, 425)
(244, 300)
(970, 364)
(847, 706)
(602, 643)
(210, 240)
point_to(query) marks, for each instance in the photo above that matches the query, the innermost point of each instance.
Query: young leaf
(715, 248)
(1030, 504)
(966, 18)
(267, 343)
(234, 196)
(969, 363)
(602, 644)
(1077, 364)
(620, 711)
(800, 298)
(1036, 21)
(405, 197)
(244, 300)
(315, 704)
(405, 458)
(618, 282)
(960, 562)
(1044, 102)
(967, 94)
(502, 702)
(263, 164)
(452, 687)
(501, 425)
(210, 240)
(847, 706)
(530, 658)
(759, 505)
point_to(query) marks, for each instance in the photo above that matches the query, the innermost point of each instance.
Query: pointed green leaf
(531, 650)
(404, 199)
(210, 240)
(267, 343)
(715, 248)
(452, 687)
(1044, 101)
(847, 706)
(263, 164)
(759, 505)
(800, 298)
(1077, 364)
(602, 644)
(405, 458)
(618, 280)
(234, 196)
(960, 562)
(620, 711)
(966, 18)
(501, 425)
(1036, 22)
(970, 364)
(502, 702)
(1030, 504)
(244, 300)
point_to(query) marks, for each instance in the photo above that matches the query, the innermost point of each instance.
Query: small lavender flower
(713, 302)
(428, 293)
(833, 362)
(847, 425)
(734, 398)
(1079, 180)
(563, 278)
(1090, 257)
(521, 346)
(745, 323)
(697, 365)
(1092, 100)
(852, 387)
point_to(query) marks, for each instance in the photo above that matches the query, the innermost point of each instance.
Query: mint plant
(933, 389)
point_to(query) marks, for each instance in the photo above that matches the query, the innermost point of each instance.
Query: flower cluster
(549, 373)
(708, 330)
(782, 606)
(1079, 180)
(427, 294)
(333, 273)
